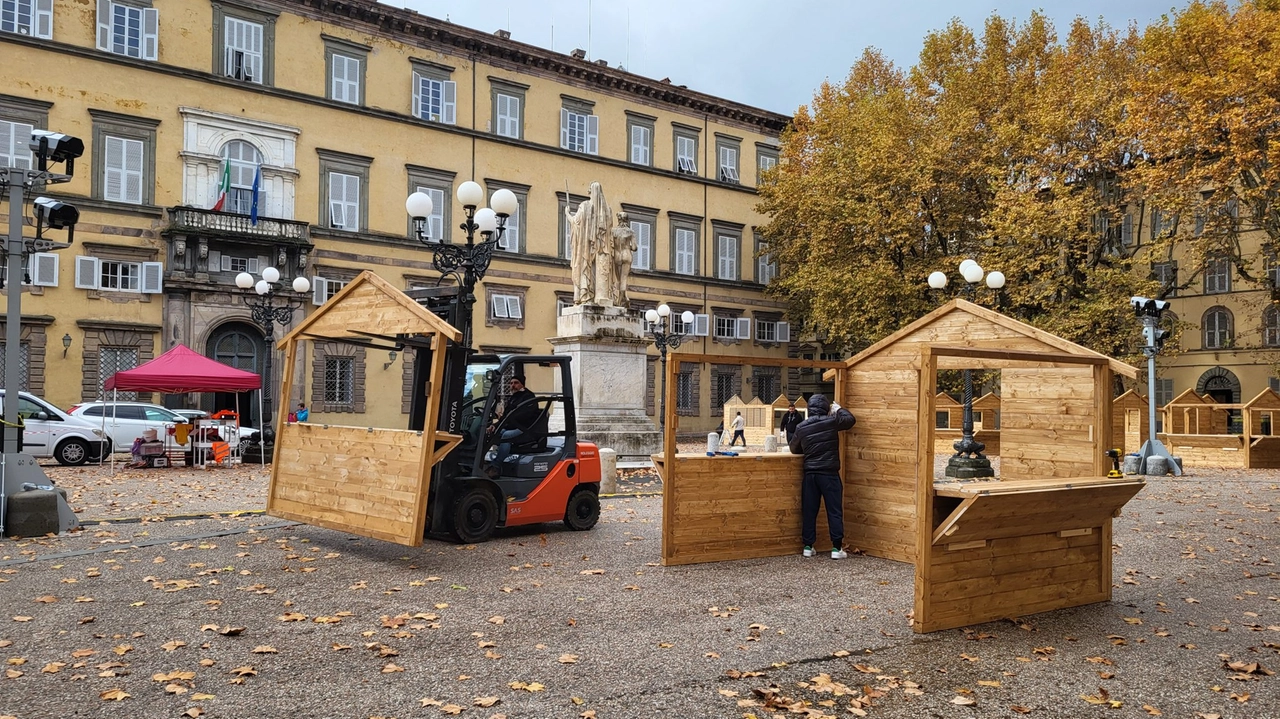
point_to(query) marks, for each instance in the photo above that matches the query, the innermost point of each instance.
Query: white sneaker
(808, 552)
(839, 554)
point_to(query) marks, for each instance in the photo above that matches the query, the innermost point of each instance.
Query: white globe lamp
(262, 287)
(937, 280)
(419, 205)
(244, 280)
(301, 285)
(470, 194)
(486, 219)
(504, 202)
(651, 316)
(995, 280)
(687, 317)
(972, 273)
(664, 310)
(271, 275)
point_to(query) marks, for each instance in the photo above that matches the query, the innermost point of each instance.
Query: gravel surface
(549, 623)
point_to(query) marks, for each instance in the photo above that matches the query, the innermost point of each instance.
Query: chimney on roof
(578, 54)
(504, 34)
(665, 81)
(602, 63)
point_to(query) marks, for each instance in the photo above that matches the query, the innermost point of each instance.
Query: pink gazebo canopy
(182, 370)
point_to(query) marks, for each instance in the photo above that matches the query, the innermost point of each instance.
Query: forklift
(548, 476)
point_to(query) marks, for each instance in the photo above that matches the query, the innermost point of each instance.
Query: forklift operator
(524, 415)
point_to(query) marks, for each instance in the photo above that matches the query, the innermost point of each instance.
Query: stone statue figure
(624, 248)
(590, 247)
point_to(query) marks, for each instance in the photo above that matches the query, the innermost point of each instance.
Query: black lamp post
(665, 337)
(266, 313)
(468, 263)
(968, 462)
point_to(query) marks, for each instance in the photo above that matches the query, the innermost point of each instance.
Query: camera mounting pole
(1149, 311)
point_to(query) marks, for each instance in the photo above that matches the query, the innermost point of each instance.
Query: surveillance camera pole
(19, 469)
(1153, 447)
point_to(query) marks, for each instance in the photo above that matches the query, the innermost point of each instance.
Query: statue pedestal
(608, 346)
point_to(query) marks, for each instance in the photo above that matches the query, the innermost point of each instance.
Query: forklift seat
(535, 465)
(537, 434)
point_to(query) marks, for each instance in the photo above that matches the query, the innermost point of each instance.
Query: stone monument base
(608, 347)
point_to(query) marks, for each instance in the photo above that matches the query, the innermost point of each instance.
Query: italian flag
(224, 186)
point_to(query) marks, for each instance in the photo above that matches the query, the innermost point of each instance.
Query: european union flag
(253, 208)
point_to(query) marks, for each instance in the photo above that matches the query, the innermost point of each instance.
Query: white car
(126, 421)
(50, 432)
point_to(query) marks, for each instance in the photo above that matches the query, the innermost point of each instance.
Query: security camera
(57, 215)
(56, 147)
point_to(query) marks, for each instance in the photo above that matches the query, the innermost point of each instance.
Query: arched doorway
(239, 345)
(1222, 386)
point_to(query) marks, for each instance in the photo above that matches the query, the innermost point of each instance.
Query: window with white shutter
(43, 269)
(27, 17)
(435, 99)
(728, 155)
(128, 30)
(701, 325)
(579, 131)
(686, 251)
(727, 257)
(15, 149)
(345, 79)
(642, 259)
(766, 268)
(344, 201)
(506, 307)
(687, 154)
(242, 50)
(507, 115)
(122, 167)
(510, 241)
(641, 144)
(435, 223)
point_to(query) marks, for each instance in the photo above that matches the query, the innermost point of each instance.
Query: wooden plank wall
(1265, 453)
(722, 508)
(1206, 450)
(370, 309)
(352, 479)
(1047, 422)
(1041, 550)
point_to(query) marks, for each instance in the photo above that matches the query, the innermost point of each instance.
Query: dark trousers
(824, 487)
(738, 434)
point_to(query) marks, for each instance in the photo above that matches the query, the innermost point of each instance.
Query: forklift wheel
(583, 510)
(475, 514)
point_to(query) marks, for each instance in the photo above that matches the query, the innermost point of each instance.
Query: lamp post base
(962, 467)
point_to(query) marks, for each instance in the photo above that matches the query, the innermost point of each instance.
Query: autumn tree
(1206, 111)
(1004, 147)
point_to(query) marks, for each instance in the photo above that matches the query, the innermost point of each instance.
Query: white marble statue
(624, 248)
(600, 251)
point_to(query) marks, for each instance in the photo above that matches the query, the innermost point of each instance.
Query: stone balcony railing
(237, 226)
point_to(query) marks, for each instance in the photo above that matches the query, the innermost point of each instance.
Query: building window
(505, 306)
(727, 256)
(15, 148)
(1126, 230)
(640, 138)
(45, 273)
(241, 161)
(727, 158)
(770, 330)
(686, 149)
(1217, 275)
(1219, 330)
(117, 275)
(513, 233)
(686, 390)
(24, 365)
(1163, 224)
(725, 388)
(643, 257)
(1164, 391)
(766, 159)
(766, 267)
(726, 328)
(684, 247)
(239, 264)
(339, 380)
(1272, 265)
(324, 288)
(346, 64)
(125, 165)
(243, 50)
(438, 185)
(508, 108)
(27, 17)
(767, 385)
(127, 29)
(435, 96)
(1271, 327)
(579, 128)
(112, 360)
(1166, 273)
(344, 184)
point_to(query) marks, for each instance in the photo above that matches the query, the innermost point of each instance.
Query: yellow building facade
(336, 111)
(1229, 348)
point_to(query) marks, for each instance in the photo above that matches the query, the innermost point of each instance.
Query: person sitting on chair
(523, 413)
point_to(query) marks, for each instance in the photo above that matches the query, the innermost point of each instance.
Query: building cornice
(409, 26)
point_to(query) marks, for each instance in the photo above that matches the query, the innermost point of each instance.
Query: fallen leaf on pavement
(964, 701)
(486, 701)
(568, 659)
(114, 695)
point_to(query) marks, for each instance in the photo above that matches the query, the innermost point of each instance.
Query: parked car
(50, 432)
(192, 413)
(126, 421)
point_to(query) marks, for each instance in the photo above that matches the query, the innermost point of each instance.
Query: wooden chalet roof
(370, 305)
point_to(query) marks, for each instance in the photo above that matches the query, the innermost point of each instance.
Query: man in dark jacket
(817, 438)
(523, 414)
(790, 421)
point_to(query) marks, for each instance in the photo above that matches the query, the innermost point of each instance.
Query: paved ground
(251, 617)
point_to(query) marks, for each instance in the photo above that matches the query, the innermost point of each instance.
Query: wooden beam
(1018, 355)
(434, 391)
(670, 481)
(754, 361)
(286, 384)
(926, 393)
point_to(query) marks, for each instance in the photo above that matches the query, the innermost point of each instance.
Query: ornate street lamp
(467, 263)
(664, 338)
(266, 313)
(968, 462)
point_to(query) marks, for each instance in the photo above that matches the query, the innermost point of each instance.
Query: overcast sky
(767, 53)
